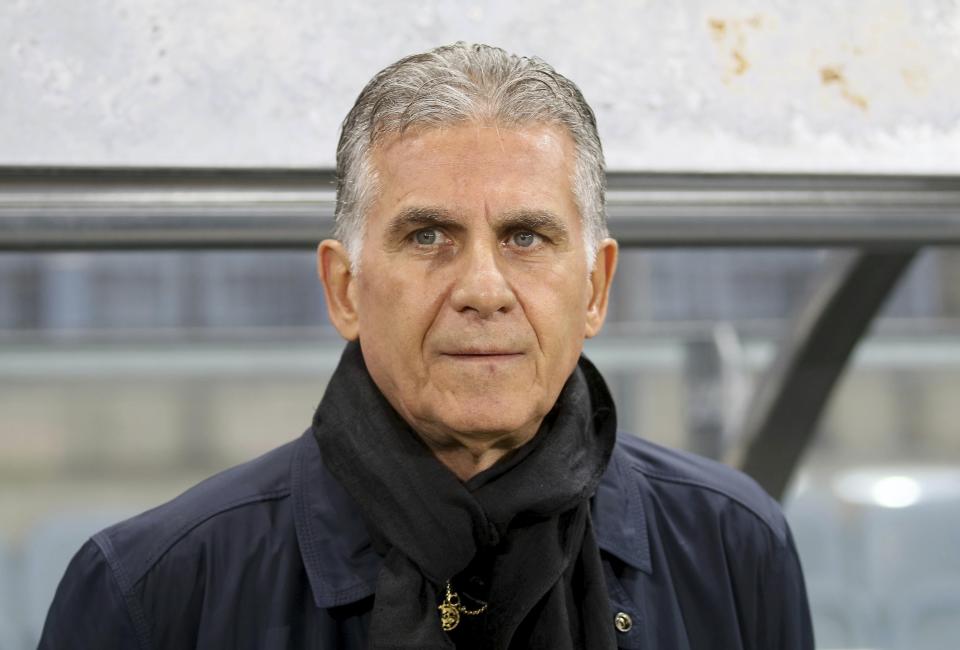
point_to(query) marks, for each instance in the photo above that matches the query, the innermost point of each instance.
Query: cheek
(555, 304)
(396, 310)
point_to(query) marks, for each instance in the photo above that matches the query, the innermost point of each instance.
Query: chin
(488, 419)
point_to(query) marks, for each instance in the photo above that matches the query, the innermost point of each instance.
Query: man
(462, 484)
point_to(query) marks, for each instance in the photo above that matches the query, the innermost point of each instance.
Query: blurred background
(783, 180)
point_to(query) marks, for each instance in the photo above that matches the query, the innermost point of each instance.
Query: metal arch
(786, 407)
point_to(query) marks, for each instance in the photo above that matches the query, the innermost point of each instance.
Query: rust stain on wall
(742, 64)
(829, 75)
(718, 28)
(731, 36)
(833, 75)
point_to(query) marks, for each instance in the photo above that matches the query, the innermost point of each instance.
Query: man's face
(474, 295)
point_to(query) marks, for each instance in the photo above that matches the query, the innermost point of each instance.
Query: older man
(462, 484)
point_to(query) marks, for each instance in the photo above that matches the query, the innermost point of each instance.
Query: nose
(481, 286)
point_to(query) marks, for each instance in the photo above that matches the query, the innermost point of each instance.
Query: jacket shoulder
(705, 481)
(135, 545)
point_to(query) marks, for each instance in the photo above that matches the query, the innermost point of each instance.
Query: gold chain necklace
(451, 609)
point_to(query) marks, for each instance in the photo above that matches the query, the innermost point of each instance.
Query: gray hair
(460, 83)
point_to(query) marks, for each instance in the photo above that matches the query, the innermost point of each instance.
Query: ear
(601, 277)
(333, 267)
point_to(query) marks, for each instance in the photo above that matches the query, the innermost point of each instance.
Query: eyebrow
(420, 217)
(541, 221)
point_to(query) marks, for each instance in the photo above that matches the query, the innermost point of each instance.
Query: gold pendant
(449, 616)
(450, 610)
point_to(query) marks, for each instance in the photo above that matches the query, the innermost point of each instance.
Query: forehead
(472, 161)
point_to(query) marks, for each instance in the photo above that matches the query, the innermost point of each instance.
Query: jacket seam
(174, 538)
(134, 609)
(779, 536)
(629, 540)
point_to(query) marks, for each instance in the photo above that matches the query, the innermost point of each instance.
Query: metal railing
(98, 209)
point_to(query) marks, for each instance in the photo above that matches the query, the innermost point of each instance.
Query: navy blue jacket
(274, 554)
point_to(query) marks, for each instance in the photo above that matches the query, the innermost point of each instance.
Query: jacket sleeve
(789, 626)
(89, 610)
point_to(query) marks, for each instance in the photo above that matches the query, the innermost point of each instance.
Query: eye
(426, 237)
(524, 238)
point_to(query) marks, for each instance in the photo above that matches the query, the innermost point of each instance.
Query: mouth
(483, 355)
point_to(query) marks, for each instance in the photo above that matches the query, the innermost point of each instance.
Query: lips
(474, 352)
(486, 355)
(481, 353)
(489, 346)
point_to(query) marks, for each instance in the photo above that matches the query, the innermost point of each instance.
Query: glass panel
(76, 295)
(875, 507)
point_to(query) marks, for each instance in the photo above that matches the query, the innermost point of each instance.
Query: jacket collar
(337, 552)
(342, 565)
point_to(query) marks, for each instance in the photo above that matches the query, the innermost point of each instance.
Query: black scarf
(528, 514)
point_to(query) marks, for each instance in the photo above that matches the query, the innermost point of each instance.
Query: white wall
(817, 85)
